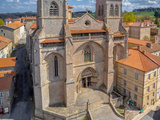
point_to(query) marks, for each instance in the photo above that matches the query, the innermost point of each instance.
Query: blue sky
(10, 6)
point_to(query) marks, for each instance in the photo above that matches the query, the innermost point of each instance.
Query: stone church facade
(71, 54)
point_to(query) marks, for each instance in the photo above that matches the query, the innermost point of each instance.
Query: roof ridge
(141, 60)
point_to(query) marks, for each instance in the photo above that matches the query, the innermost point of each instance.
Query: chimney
(142, 25)
(144, 52)
(156, 39)
(6, 75)
(149, 45)
(139, 47)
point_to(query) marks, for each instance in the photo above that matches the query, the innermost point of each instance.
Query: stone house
(28, 21)
(133, 42)
(8, 21)
(7, 80)
(138, 78)
(14, 31)
(5, 47)
(71, 55)
(139, 30)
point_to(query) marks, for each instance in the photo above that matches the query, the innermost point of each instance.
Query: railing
(89, 37)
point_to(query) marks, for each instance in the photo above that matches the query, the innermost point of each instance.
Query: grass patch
(13, 54)
(85, 118)
(121, 111)
(140, 15)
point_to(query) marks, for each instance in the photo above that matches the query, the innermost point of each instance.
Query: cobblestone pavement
(23, 106)
(98, 106)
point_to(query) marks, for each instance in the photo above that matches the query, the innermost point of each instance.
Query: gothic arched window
(99, 11)
(102, 10)
(53, 9)
(87, 54)
(56, 66)
(111, 10)
(116, 10)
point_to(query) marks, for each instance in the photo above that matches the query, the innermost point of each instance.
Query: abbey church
(74, 54)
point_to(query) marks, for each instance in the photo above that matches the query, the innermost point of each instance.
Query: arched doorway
(89, 78)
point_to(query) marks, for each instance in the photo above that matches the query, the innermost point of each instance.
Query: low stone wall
(115, 111)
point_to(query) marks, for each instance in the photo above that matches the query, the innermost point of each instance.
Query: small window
(102, 10)
(135, 96)
(1, 30)
(87, 23)
(153, 85)
(1, 102)
(116, 10)
(155, 74)
(87, 54)
(56, 66)
(149, 76)
(136, 76)
(125, 71)
(153, 95)
(136, 88)
(53, 9)
(4, 34)
(124, 91)
(111, 10)
(99, 11)
(148, 89)
(124, 83)
(148, 97)
(1, 95)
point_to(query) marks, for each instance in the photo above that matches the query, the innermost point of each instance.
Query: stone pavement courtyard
(98, 107)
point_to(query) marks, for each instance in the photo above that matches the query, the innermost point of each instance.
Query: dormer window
(54, 9)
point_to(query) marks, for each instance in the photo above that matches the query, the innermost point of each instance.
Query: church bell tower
(51, 16)
(110, 11)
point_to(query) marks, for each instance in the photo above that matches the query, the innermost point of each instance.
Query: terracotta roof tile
(29, 18)
(7, 62)
(33, 26)
(10, 73)
(88, 31)
(119, 35)
(70, 7)
(138, 41)
(8, 19)
(139, 61)
(6, 83)
(52, 41)
(155, 47)
(4, 42)
(15, 25)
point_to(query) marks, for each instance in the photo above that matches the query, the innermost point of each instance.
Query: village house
(8, 21)
(14, 31)
(138, 78)
(5, 47)
(7, 80)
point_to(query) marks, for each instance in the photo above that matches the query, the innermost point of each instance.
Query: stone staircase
(99, 107)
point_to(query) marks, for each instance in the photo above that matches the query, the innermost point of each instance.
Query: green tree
(157, 22)
(1, 22)
(129, 17)
(157, 14)
(147, 17)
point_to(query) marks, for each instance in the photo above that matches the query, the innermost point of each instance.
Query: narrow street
(23, 105)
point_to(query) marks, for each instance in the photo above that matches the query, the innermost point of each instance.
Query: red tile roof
(119, 35)
(33, 26)
(52, 41)
(139, 61)
(6, 83)
(8, 19)
(4, 42)
(10, 73)
(70, 7)
(138, 24)
(15, 25)
(7, 62)
(88, 31)
(29, 18)
(138, 41)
